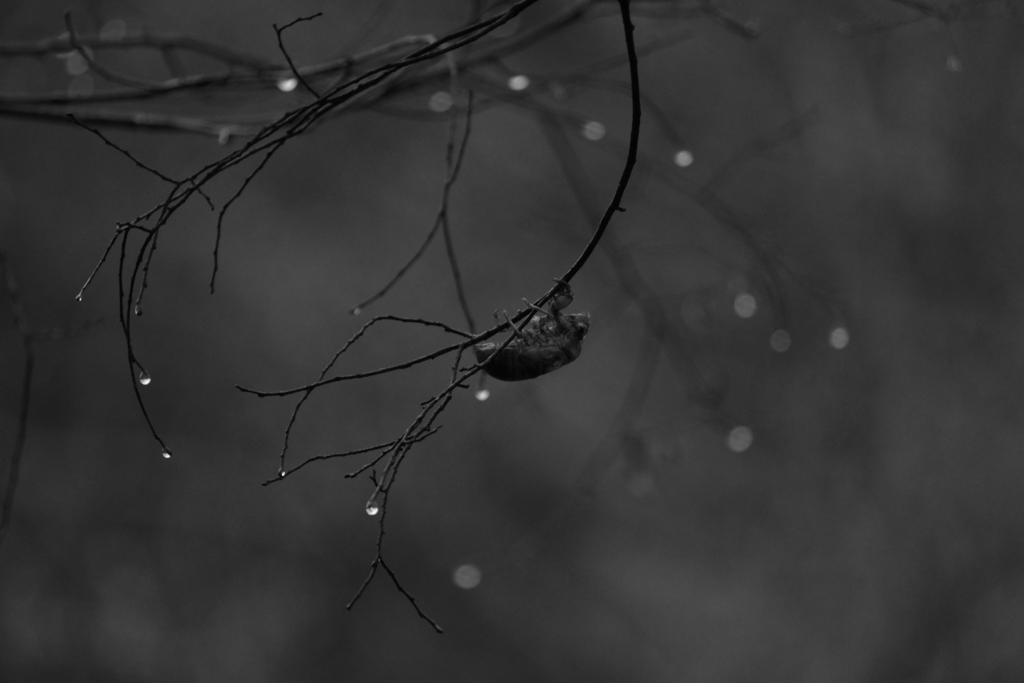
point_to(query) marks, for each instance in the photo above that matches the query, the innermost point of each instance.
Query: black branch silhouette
(298, 99)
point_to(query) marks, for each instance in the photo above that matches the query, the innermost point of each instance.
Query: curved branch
(634, 138)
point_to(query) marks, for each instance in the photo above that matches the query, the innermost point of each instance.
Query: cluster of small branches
(378, 78)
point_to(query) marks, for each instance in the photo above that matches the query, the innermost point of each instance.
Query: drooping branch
(615, 204)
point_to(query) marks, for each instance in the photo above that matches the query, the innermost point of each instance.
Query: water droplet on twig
(167, 454)
(145, 379)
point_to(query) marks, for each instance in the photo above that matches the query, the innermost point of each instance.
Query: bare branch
(122, 150)
(21, 324)
(634, 136)
(280, 44)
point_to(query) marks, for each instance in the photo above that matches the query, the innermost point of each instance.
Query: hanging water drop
(287, 84)
(371, 507)
(282, 473)
(356, 311)
(166, 454)
(223, 136)
(144, 378)
(78, 297)
(138, 309)
(483, 395)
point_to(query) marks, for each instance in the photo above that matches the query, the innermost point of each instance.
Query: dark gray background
(872, 532)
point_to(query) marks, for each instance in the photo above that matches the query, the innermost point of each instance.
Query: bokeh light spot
(684, 158)
(74, 63)
(287, 84)
(593, 130)
(440, 102)
(839, 338)
(483, 395)
(954, 64)
(467, 576)
(745, 305)
(780, 341)
(519, 82)
(739, 439)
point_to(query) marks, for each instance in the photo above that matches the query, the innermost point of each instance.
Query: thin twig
(454, 163)
(634, 137)
(227, 205)
(331, 456)
(334, 359)
(392, 368)
(409, 597)
(123, 151)
(125, 320)
(288, 58)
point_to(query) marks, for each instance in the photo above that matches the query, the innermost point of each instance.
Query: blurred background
(790, 451)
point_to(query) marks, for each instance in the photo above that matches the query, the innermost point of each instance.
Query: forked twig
(453, 163)
(288, 58)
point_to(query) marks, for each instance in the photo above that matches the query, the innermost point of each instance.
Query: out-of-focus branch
(453, 163)
(634, 138)
(29, 337)
(145, 41)
(288, 58)
(21, 324)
